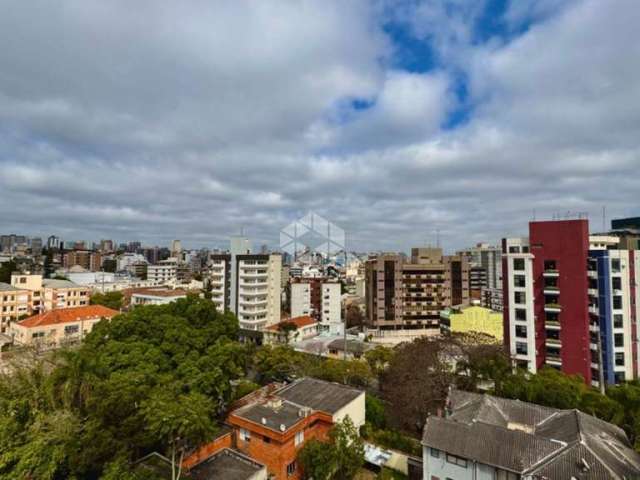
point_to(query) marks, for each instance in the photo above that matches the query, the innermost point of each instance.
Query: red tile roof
(68, 315)
(299, 322)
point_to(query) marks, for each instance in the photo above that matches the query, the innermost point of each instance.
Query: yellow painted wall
(477, 319)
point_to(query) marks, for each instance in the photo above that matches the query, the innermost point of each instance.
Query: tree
(416, 382)
(109, 265)
(354, 316)
(182, 421)
(378, 358)
(287, 328)
(6, 269)
(112, 300)
(340, 458)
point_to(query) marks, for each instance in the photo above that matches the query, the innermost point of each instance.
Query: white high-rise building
(319, 298)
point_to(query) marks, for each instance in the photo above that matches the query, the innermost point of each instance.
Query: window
(519, 281)
(291, 468)
(521, 348)
(617, 302)
(521, 331)
(518, 264)
(71, 329)
(245, 435)
(461, 462)
(619, 340)
(616, 283)
(521, 314)
(618, 320)
(550, 265)
(299, 437)
(618, 377)
(615, 265)
(435, 453)
(620, 359)
(520, 298)
(266, 439)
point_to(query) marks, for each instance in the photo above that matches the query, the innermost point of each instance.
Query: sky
(398, 120)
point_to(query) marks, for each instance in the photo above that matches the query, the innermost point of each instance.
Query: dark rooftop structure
(531, 440)
(632, 223)
(227, 464)
(327, 397)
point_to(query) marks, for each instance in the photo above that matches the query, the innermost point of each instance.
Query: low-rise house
(350, 349)
(156, 296)
(486, 437)
(60, 327)
(272, 424)
(293, 329)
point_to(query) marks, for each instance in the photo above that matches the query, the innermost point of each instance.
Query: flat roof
(320, 395)
(228, 465)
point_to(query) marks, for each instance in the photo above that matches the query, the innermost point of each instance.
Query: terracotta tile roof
(299, 322)
(68, 315)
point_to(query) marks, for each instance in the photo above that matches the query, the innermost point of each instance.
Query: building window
(435, 453)
(291, 468)
(619, 340)
(615, 265)
(521, 331)
(618, 320)
(620, 359)
(616, 283)
(518, 264)
(619, 377)
(71, 329)
(299, 438)
(514, 249)
(519, 281)
(461, 462)
(520, 298)
(617, 302)
(521, 348)
(521, 314)
(245, 435)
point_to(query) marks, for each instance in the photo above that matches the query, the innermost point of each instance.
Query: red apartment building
(546, 306)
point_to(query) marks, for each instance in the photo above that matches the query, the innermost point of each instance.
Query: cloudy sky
(153, 120)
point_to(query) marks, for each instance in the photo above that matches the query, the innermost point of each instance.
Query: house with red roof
(291, 330)
(60, 327)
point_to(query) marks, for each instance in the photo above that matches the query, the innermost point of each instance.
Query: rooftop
(228, 465)
(527, 438)
(273, 413)
(327, 397)
(68, 315)
(353, 346)
(57, 283)
(299, 322)
(5, 287)
(159, 292)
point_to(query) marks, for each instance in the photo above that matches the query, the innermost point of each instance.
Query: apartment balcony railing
(555, 342)
(551, 273)
(552, 325)
(553, 307)
(551, 291)
(553, 359)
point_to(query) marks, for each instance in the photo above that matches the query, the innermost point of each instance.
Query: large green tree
(109, 299)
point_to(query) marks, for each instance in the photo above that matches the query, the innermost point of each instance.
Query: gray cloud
(197, 119)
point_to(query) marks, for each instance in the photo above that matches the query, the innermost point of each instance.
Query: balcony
(593, 309)
(553, 342)
(551, 273)
(553, 308)
(592, 273)
(552, 325)
(554, 360)
(551, 290)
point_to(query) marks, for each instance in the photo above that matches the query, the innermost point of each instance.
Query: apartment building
(91, 261)
(409, 294)
(168, 271)
(319, 298)
(219, 280)
(256, 291)
(50, 294)
(489, 258)
(571, 302)
(14, 303)
(614, 309)
(57, 328)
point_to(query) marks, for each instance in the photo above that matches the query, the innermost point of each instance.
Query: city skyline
(395, 120)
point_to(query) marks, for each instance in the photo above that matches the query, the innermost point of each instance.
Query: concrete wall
(355, 410)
